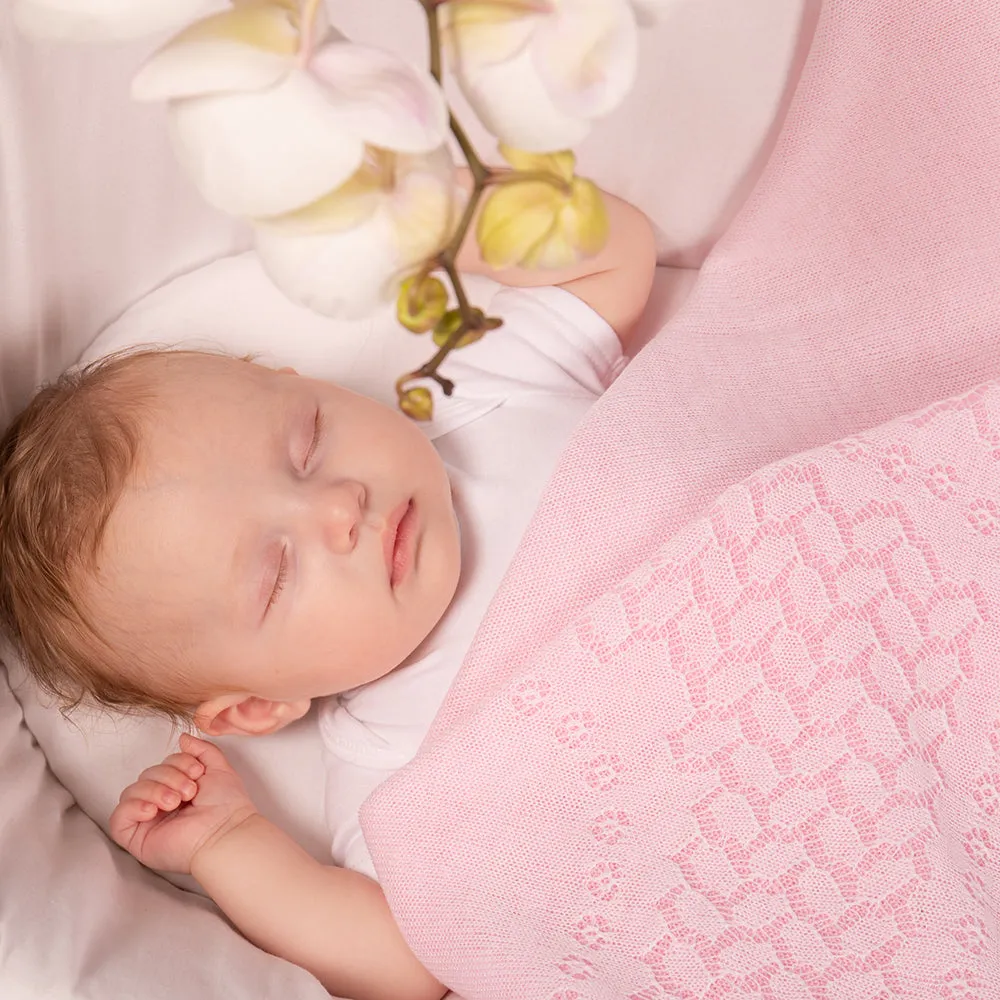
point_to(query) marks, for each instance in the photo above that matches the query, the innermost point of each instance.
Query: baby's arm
(615, 283)
(192, 814)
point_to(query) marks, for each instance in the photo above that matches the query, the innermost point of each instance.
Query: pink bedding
(732, 725)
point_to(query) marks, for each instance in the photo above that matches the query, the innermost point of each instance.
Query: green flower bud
(417, 403)
(452, 320)
(422, 302)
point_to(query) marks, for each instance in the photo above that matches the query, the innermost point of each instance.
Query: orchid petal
(103, 20)
(514, 219)
(581, 230)
(342, 209)
(512, 101)
(292, 6)
(345, 264)
(267, 152)
(382, 98)
(347, 274)
(587, 55)
(555, 250)
(489, 32)
(534, 224)
(423, 206)
(295, 8)
(562, 164)
(354, 202)
(419, 192)
(249, 47)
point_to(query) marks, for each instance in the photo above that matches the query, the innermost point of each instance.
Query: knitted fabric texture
(732, 724)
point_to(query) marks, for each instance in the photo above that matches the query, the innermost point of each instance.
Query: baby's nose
(342, 507)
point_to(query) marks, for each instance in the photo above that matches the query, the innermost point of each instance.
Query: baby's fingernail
(190, 788)
(172, 799)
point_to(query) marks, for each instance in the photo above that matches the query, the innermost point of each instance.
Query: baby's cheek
(443, 571)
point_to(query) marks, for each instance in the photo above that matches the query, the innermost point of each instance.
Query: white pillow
(80, 919)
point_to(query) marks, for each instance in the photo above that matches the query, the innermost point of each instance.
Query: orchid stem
(480, 172)
(434, 32)
(449, 255)
(482, 177)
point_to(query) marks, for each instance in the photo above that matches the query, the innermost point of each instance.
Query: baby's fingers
(187, 763)
(158, 794)
(206, 753)
(127, 816)
(174, 779)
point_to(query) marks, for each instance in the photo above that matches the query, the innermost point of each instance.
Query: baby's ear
(247, 715)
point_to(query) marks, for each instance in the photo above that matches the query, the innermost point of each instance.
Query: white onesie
(520, 393)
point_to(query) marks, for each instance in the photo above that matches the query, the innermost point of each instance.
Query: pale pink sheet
(729, 732)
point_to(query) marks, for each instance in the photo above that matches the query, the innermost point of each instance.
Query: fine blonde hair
(64, 463)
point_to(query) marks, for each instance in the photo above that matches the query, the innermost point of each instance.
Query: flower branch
(470, 323)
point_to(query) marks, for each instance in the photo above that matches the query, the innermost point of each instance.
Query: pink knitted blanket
(732, 725)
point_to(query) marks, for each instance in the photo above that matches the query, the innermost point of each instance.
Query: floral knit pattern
(766, 763)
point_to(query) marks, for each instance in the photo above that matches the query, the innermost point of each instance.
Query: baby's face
(281, 538)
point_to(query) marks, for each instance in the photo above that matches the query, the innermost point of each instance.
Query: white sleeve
(347, 787)
(553, 340)
(350, 748)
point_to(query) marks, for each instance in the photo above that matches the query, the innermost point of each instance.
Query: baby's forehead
(200, 431)
(191, 397)
(170, 368)
(205, 429)
(194, 385)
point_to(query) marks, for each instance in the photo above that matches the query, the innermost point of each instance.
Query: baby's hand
(178, 807)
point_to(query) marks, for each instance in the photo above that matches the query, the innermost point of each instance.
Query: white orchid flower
(102, 20)
(347, 253)
(539, 72)
(263, 128)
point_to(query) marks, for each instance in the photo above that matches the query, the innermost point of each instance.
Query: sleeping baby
(199, 536)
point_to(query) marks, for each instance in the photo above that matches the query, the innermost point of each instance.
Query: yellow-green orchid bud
(561, 164)
(421, 303)
(452, 320)
(417, 403)
(537, 223)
